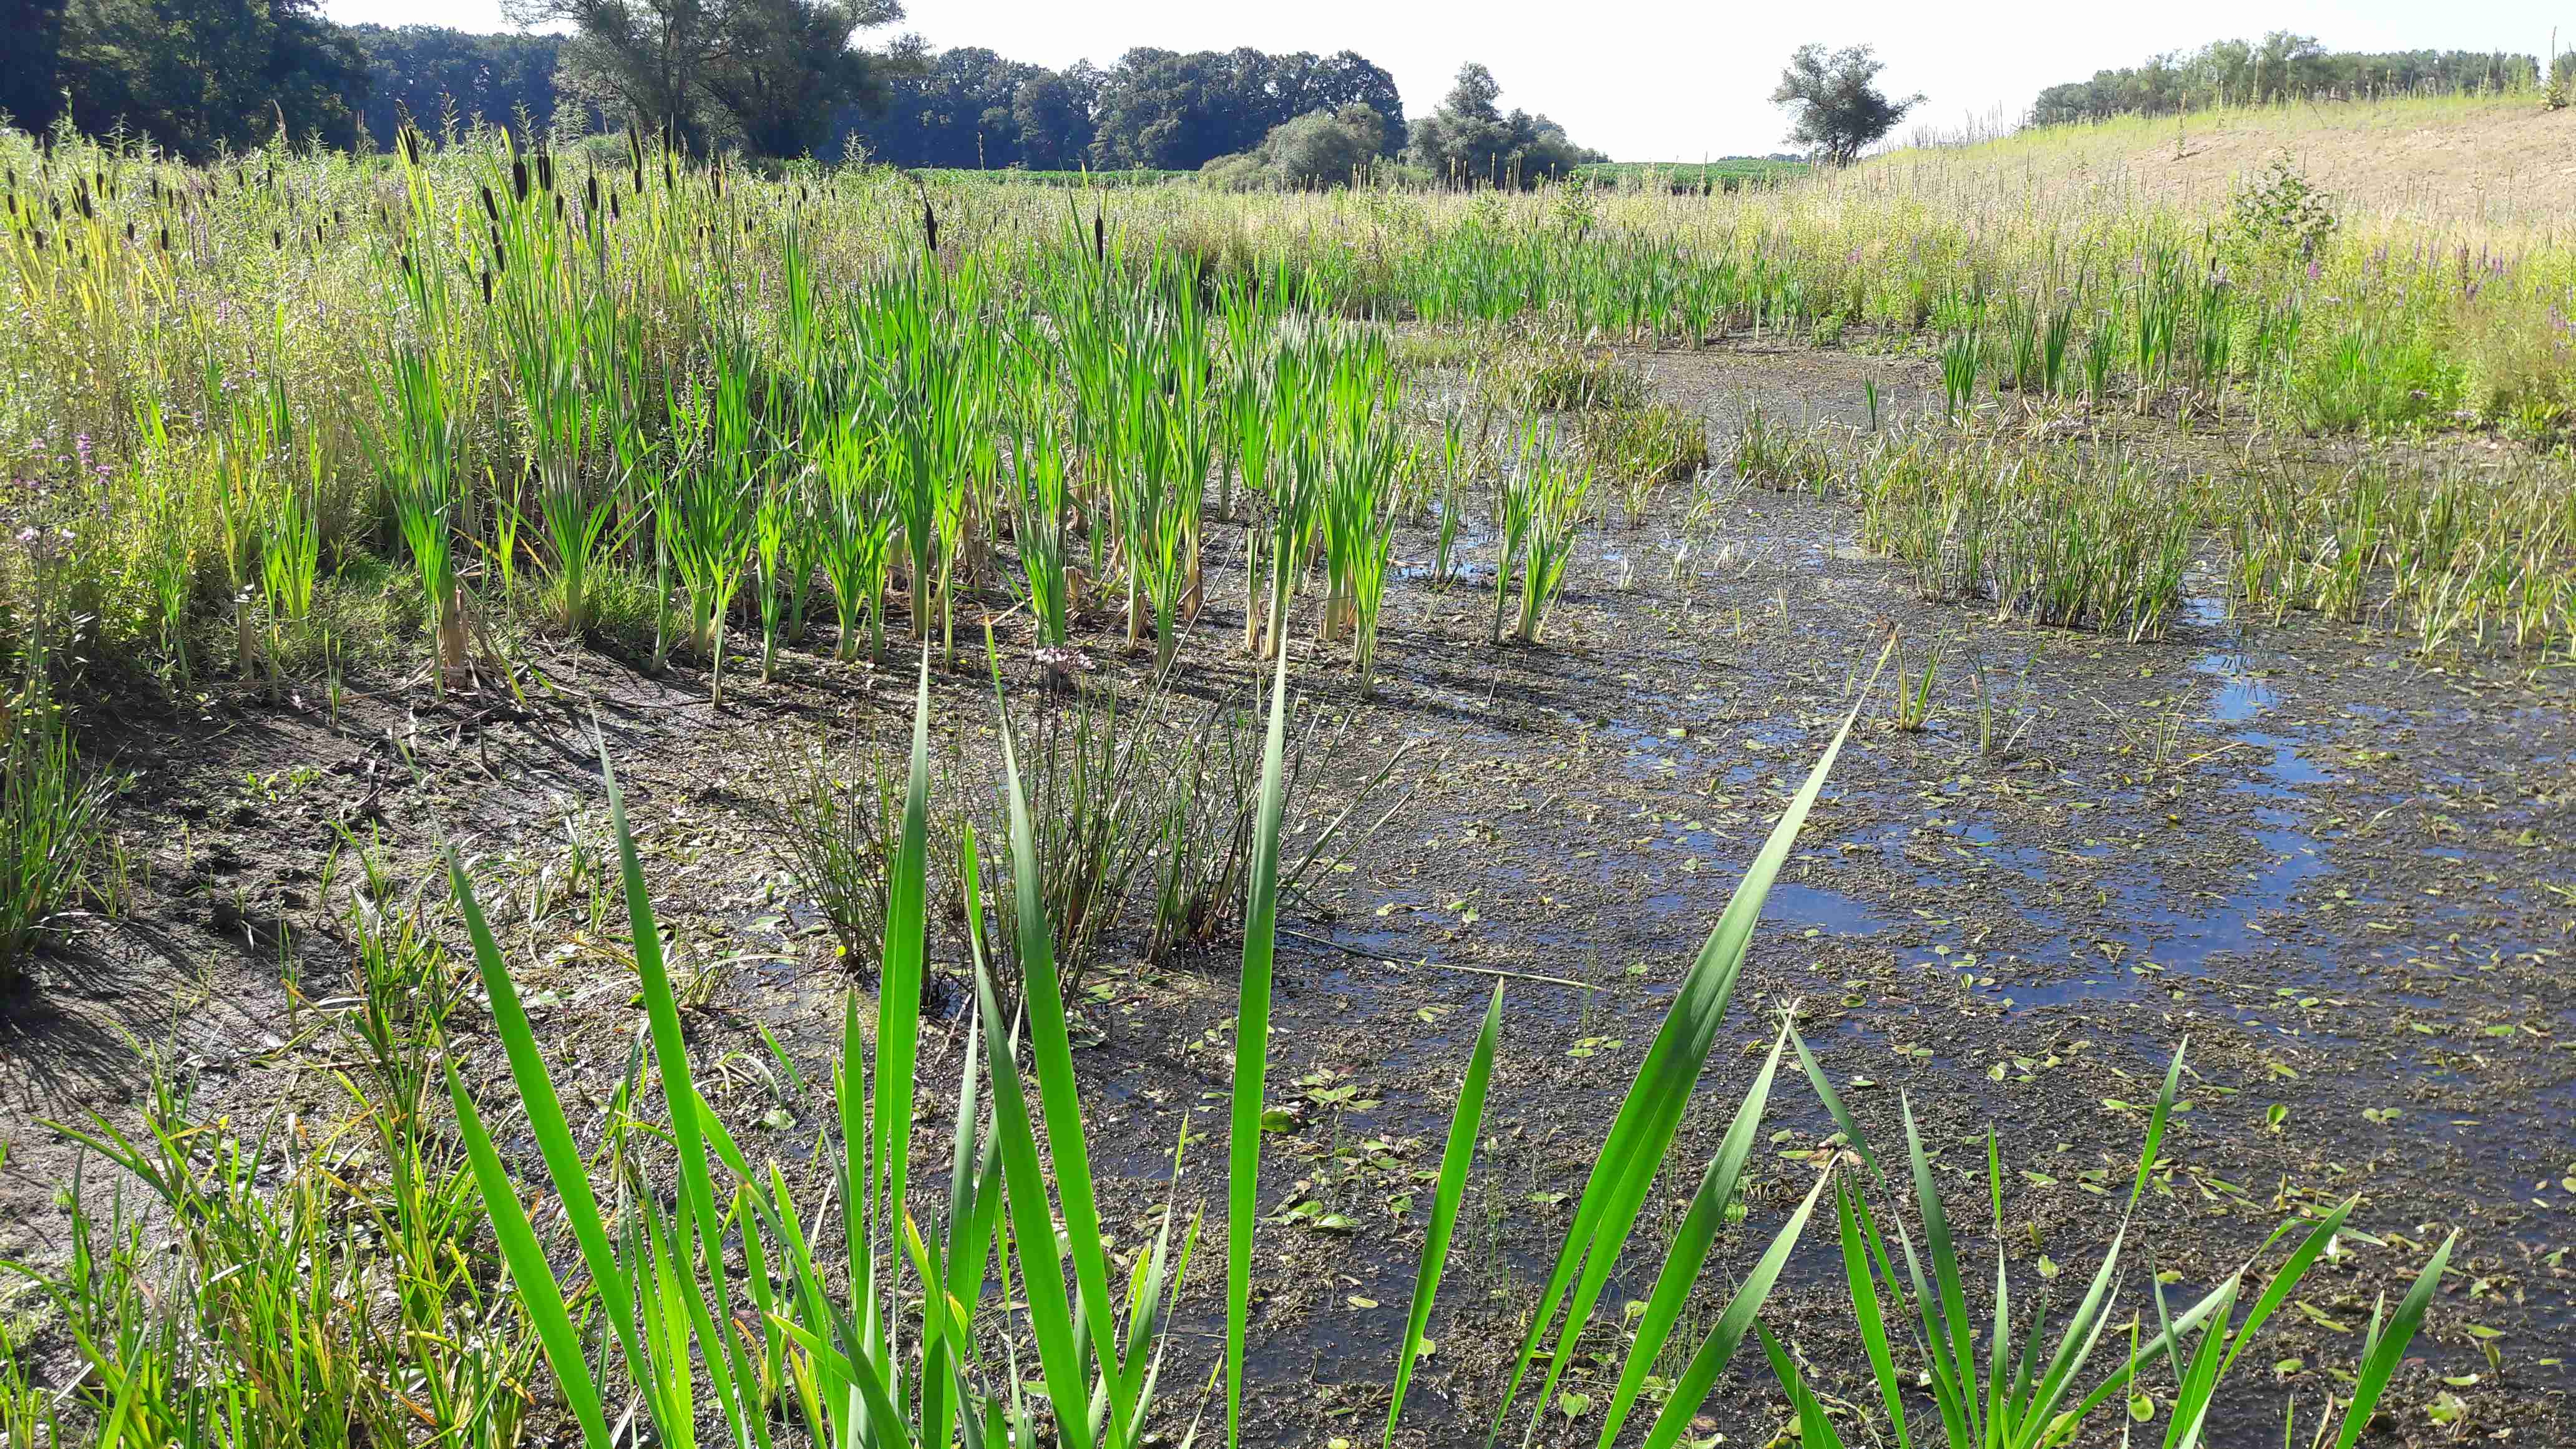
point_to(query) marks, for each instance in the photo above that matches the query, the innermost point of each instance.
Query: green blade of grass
(1051, 1055)
(1814, 1431)
(1463, 1126)
(1688, 1251)
(564, 1164)
(1863, 1285)
(1252, 1045)
(679, 1089)
(899, 978)
(1945, 1317)
(1032, 1222)
(2092, 1315)
(1692, 1388)
(1651, 1113)
(2277, 1292)
(534, 1277)
(2388, 1349)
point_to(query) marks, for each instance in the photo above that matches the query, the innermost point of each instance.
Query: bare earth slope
(2482, 163)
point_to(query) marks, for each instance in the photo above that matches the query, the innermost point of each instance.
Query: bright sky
(1673, 81)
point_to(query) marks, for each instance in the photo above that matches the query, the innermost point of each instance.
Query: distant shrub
(2280, 213)
(1317, 150)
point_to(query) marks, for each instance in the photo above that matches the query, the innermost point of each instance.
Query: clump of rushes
(289, 561)
(1549, 508)
(1643, 448)
(834, 814)
(1041, 501)
(1516, 506)
(1205, 851)
(54, 814)
(708, 511)
(1565, 377)
(548, 323)
(1097, 775)
(1453, 489)
(2161, 291)
(2054, 533)
(419, 459)
(1771, 454)
(1960, 356)
(1358, 522)
(853, 531)
(775, 525)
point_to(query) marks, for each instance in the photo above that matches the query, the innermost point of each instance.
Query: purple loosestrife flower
(46, 548)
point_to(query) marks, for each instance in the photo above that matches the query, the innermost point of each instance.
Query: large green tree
(786, 63)
(962, 108)
(31, 41)
(1316, 150)
(429, 73)
(1471, 141)
(1836, 108)
(198, 76)
(1170, 109)
(764, 74)
(1051, 111)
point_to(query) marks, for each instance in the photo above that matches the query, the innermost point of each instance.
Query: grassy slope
(2489, 166)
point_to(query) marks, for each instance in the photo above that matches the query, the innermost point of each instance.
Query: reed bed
(2084, 533)
(297, 402)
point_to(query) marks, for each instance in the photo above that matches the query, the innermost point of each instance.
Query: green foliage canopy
(1316, 150)
(200, 76)
(1471, 140)
(1837, 108)
(1175, 110)
(2281, 66)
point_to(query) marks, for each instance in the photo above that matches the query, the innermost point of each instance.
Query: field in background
(1688, 176)
(1016, 177)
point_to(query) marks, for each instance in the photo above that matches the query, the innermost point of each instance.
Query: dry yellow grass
(2480, 168)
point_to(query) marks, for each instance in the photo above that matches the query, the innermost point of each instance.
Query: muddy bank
(2339, 870)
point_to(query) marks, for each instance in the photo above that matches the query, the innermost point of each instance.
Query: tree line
(2281, 66)
(768, 78)
(1157, 109)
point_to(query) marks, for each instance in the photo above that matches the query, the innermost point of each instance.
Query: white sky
(1674, 81)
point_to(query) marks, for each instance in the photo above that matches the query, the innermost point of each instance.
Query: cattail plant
(1516, 510)
(854, 529)
(773, 523)
(1557, 516)
(708, 510)
(419, 457)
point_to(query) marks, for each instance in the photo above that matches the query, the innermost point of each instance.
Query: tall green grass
(54, 841)
(499, 363)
